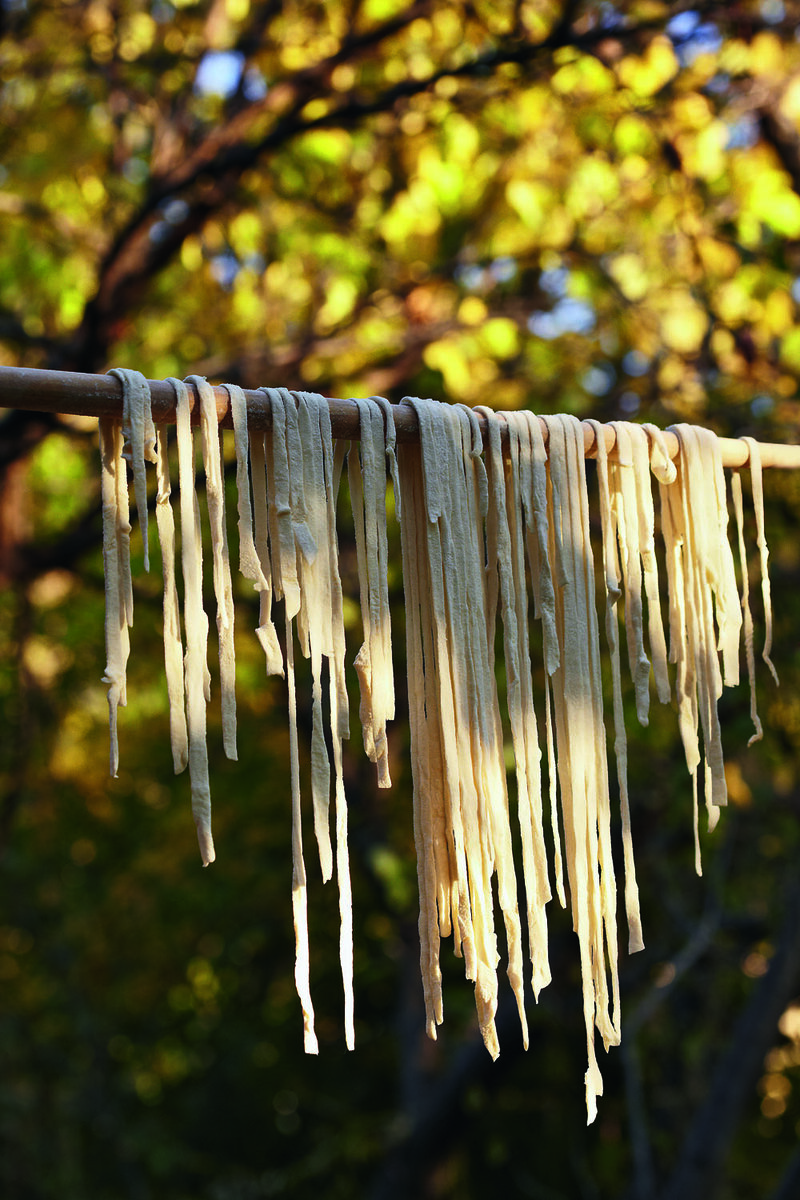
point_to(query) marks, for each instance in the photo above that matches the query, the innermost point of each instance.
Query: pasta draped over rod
(490, 533)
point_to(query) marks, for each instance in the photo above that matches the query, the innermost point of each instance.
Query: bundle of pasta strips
(476, 533)
(480, 529)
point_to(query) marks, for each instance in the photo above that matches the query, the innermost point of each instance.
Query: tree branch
(713, 1127)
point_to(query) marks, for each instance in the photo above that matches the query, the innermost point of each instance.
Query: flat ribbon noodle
(763, 549)
(116, 554)
(139, 437)
(613, 592)
(197, 678)
(173, 645)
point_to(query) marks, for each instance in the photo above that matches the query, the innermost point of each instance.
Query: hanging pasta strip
(531, 814)
(758, 507)
(223, 590)
(682, 633)
(608, 1024)
(488, 748)
(197, 678)
(314, 619)
(738, 507)
(483, 766)
(139, 437)
(575, 733)
(535, 489)
(613, 592)
(640, 451)
(626, 510)
(367, 478)
(173, 646)
(459, 685)
(431, 834)
(281, 524)
(706, 663)
(463, 720)
(438, 465)
(340, 719)
(284, 559)
(715, 584)
(266, 632)
(384, 437)
(506, 564)
(116, 623)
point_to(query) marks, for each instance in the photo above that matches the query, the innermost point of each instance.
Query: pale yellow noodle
(613, 592)
(116, 627)
(736, 491)
(173, 645)
(758, 507)
(197, 679)
(139, 437)
(223, 589)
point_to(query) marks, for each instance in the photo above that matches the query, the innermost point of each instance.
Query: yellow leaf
(647, 74)
(718, 258)
(683, 324)
(779, 311)
(328, 145)
(633, 135)
(500, 337)
(246, 233)
(587, 77)
(692, 111)
(472, 311)
(447, 356)
(766, 56)
(630, 275)
(531, 200)
(340, 297)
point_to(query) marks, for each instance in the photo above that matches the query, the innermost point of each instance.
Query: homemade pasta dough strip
(367, 477)
(299, 884)
(266, 632)
(581, 743)
(488, 750)
(173, 645)
(625, 505)
(431, 834)
(738, 507)
(640, 449)
(702, 582)
(281, 464)
(442, 680)
(506, 563)
(758, 507)
(452, 492)
(608, 1026)
(197, 678)
(340, 722)
(116, 623)
(314, 618)
(139, 437)
(613, 592)
(223, 589)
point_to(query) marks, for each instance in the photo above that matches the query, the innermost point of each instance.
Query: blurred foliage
(582, 207)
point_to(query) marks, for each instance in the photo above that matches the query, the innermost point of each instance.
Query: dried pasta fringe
(479, 528)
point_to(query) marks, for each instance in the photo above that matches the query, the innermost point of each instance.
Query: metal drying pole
(101, 396)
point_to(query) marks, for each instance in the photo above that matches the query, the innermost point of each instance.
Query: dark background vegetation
(581, 207)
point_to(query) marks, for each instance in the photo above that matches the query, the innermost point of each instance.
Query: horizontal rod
(101, 396)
